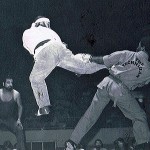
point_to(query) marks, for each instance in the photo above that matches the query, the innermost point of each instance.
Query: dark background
(98, 27)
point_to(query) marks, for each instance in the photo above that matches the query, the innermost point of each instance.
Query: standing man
(9, 100)
(49, 51)
(128, 70)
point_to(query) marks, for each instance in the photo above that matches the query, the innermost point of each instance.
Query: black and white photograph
(75, 75)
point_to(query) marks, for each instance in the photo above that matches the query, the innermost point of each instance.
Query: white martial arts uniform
(49, 55)
(128, 70)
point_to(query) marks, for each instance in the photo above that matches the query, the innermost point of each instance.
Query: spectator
(119, 144)
(98, 145)
(132, 144)
(9, 99)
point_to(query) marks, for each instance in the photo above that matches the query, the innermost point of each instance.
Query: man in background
(9, 100)
(98, 145)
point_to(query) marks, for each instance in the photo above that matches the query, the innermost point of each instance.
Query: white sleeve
(113, 58)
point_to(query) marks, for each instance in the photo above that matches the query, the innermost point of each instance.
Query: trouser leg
(20, 136)
(75, 63)
(45, 62)
(92, 114)
(18, 131)
(131, 109)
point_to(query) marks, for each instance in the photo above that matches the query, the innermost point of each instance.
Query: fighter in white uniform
(128, 70)
(49, 51)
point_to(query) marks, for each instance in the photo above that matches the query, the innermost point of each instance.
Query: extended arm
(97, 59)
(109, 60)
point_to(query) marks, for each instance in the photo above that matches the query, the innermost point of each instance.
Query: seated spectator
(131, 144)
(11, 111)
(119, 144)
(98, 145)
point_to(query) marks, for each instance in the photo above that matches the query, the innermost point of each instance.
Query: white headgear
(42, 20)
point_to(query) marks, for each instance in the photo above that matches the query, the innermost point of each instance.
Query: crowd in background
(118, 144)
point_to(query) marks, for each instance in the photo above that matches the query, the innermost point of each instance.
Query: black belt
(40, 44)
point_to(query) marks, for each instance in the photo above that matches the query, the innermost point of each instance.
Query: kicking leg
(76, 64)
